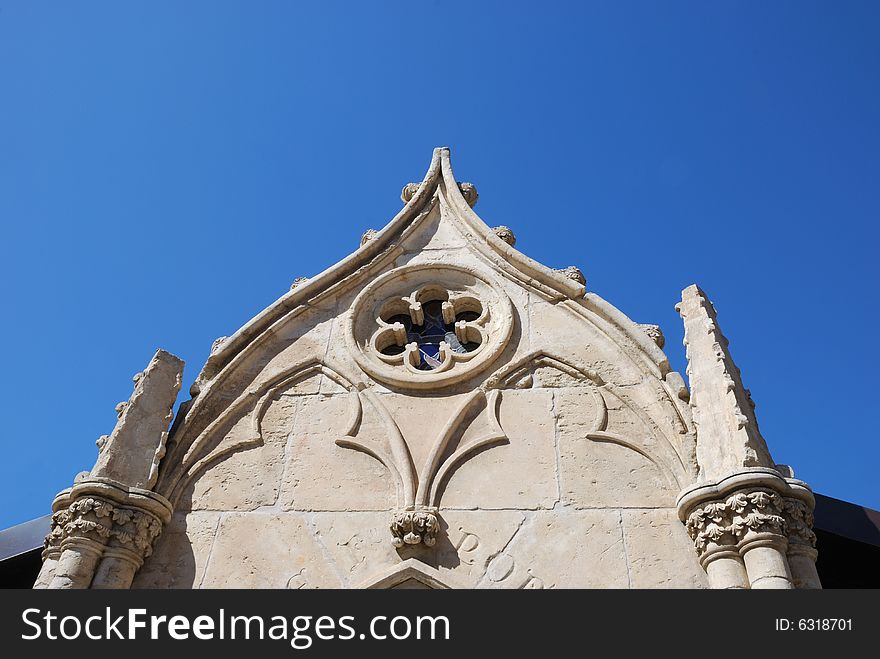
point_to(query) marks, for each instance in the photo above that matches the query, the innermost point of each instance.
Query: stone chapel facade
(438, 410)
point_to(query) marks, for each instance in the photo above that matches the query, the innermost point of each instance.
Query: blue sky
(167, 169)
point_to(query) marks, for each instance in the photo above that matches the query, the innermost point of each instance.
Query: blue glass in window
(430, 334)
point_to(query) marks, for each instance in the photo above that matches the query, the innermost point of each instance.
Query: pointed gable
(435, 370)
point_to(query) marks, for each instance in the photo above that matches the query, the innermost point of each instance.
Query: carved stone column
(137, 522)
(84, 535)
(747, 528)
(708, 526)
(101, 534)
(760, 529)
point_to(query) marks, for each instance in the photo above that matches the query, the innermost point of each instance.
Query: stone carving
(728, 438)
(428, 325)
(366, 237)
(100, 520)
(104, 526)
(418, 490)
(100, 535)
(430, 329)
(253, 402)
(412, 527)
(748, 529)
(408, 192)
(131, 453)
(574, 273)
(468, 191)
(523, 373)
(654, 333)
(759, 511)
(746, 520)
(506, 234)
(299, 281)
(411, 573)
(799, 522)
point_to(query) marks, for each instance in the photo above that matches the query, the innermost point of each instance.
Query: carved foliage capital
(799, 522)
(729, 521)
(101, 521)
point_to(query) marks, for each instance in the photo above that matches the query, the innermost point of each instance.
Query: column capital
(106, 518)
(750, 509)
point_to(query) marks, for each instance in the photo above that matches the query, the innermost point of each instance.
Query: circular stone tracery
(428, 326)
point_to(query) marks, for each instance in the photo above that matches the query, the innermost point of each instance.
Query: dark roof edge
(846, 519)
(23, 538)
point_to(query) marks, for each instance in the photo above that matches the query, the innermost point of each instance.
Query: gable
(435, 397)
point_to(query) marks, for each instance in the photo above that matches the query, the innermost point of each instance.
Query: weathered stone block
(268, 550)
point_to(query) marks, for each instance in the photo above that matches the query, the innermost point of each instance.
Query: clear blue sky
(168, 168)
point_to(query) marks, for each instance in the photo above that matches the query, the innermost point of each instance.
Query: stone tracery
(430, 329)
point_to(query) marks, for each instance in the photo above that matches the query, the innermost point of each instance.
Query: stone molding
(418, 490)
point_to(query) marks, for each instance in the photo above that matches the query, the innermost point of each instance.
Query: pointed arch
(662, 454)
(200, 455)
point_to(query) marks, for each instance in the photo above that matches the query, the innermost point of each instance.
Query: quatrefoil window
(430, 330)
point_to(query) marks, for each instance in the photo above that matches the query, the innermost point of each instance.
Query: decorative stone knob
(574, 273)
(506, 234)
(369, 234)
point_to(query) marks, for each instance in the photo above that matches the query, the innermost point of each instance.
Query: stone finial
(299, 281)
(506, 234)
(574, 273)
(728, 438)
(130, 454)
(654, 333)
(367, 236)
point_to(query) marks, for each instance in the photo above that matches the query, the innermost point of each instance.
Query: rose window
(430, 329)
(428, 325)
